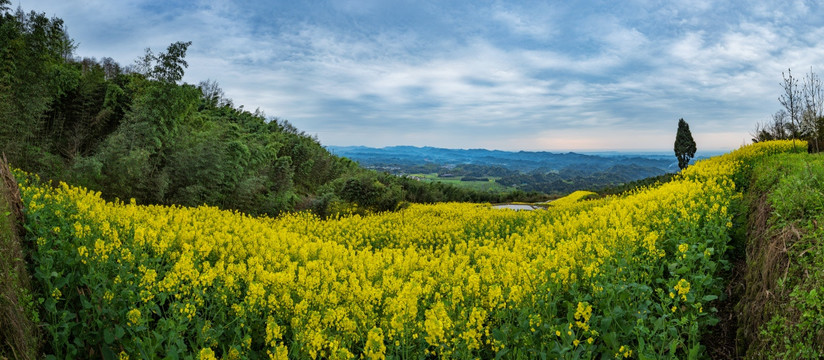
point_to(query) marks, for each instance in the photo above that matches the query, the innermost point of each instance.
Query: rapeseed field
(629, 276)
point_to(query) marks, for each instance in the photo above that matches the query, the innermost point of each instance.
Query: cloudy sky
(520, 75)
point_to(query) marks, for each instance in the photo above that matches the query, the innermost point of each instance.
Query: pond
(516, 207)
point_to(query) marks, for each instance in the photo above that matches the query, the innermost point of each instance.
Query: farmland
(629, 276)
(488, 185)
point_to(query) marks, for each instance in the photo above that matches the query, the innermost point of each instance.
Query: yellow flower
(281, 353)
(134, 316)
(623, 351)
(582, 315)
(207, 354)
(437, 271)
(683, 288)
(375, 348)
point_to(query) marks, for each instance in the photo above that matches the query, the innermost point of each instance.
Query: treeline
(801, 115)
(138, 132)
(571, 179)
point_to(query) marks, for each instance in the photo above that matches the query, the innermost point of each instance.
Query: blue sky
(520, 75)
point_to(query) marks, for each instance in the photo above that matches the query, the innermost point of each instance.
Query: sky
(519, 75)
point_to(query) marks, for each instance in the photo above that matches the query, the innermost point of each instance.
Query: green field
(490, 186)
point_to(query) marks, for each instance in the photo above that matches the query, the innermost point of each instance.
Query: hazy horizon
(580, 76)
(666, 152)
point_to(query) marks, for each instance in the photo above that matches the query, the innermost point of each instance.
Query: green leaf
(695, 351)
(673, 345)
(50, 305)
(709, 298)
(108, 336)
(107, 353)
(171, 352)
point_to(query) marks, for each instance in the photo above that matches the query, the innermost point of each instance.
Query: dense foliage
(624, 276)
(684, 144)
(137, 132)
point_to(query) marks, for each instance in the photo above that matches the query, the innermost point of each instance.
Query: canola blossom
(572, 198)
(623, 276)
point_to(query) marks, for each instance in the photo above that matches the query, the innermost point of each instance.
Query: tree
(165, 67)
(213, 95)
(684, 144)
(812, 118)
(776, 129)
(791, 100)
(33, 73)
(169, 67)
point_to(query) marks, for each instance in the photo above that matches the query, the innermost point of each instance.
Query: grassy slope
(781, 312)
(18, 338)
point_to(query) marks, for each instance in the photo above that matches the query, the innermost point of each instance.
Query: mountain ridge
(523, 161)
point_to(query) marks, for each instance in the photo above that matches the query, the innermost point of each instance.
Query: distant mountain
(546, 172)
(521, 161)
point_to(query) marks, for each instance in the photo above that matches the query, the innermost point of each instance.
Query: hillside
(145, 217)
(546, 172)
(139, 132)
(18, 314)
(780, 292)
(429, 280)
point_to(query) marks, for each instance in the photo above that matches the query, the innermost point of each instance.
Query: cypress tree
(684, 144)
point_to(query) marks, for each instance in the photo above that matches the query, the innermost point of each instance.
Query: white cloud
(548, 80)
(535, 23)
